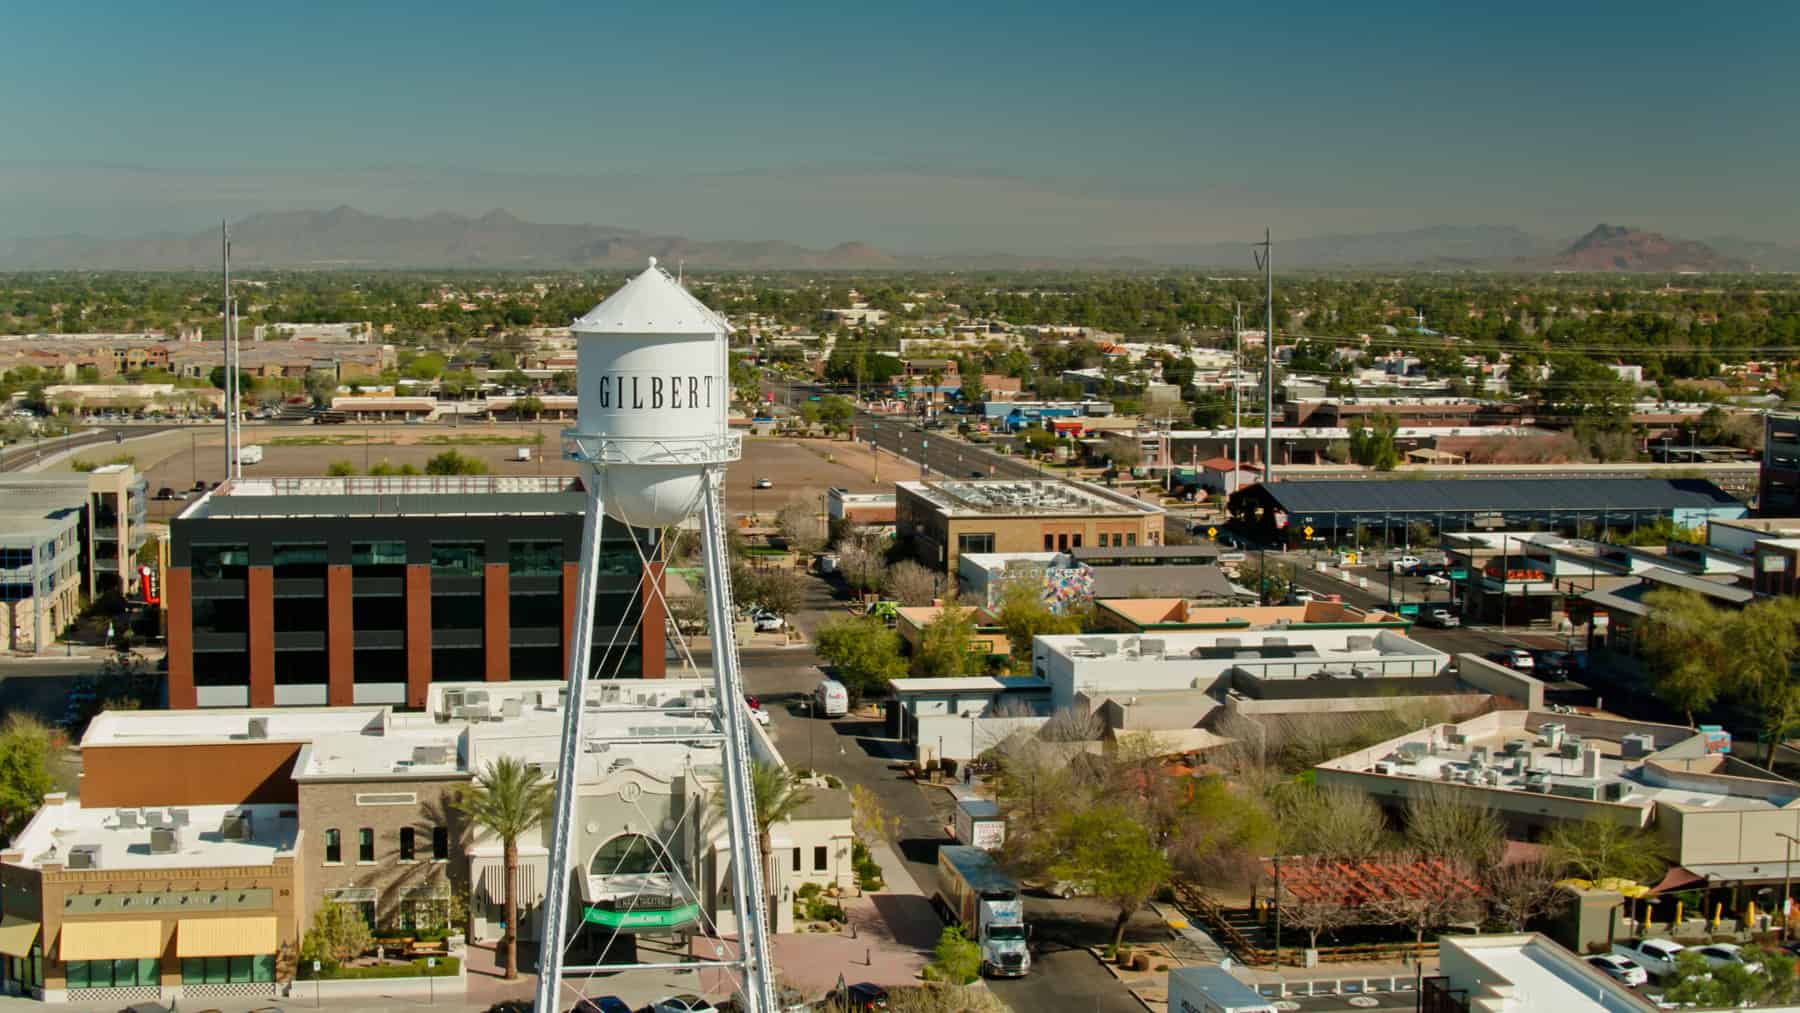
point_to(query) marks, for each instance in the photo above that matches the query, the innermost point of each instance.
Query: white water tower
(655, 384)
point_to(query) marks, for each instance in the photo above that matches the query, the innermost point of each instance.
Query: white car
(768, 622)
(1406, 564)
(1623, 970)
(1721, 954)
(763, 483)
(1437, 580)
(1654, 955)
(684, 1004)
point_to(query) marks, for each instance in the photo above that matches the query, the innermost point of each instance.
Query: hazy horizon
(1050, 129)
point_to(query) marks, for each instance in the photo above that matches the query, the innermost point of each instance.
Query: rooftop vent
(431, 754)
(84, 856)
(236, 827)
(165, 840)
(259, 728)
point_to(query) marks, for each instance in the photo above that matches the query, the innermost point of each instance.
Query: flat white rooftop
(1529, 974)
(1025, 498)
(122, 839)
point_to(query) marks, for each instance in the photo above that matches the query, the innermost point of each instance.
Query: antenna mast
(229, 358)
(1237, 389)
(1265, 260)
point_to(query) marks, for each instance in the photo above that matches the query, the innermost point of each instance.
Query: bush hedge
(447, 967)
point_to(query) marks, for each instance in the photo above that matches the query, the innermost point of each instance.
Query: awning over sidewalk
(17, 934)
(225, 937)
(110, 940)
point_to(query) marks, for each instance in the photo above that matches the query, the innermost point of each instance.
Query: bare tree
(862, 569)
(801, 526)
(1443, 822)
(1072, 725)
(1522, 892)
(911, 584)
(1330, 823)
(1318, 916)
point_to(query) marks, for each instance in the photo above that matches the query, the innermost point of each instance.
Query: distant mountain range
(344, 237)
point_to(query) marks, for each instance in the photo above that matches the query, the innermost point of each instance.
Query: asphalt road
(30, 451)
(943, 455)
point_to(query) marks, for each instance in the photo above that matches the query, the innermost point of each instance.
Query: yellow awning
(110, 940)
(16, 936)
(225, 937)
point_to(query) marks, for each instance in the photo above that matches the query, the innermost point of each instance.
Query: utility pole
(1265, 260)
(225, 344)
(1237, 392)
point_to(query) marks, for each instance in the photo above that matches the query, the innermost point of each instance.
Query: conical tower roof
(651, 303)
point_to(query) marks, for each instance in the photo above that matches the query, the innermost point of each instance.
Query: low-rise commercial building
(341, 591)
(943, 520)
(869, 509)
(42, 535)
(113, 529)
(1519, 973)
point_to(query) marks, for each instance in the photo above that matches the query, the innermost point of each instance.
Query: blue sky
(1047, 127)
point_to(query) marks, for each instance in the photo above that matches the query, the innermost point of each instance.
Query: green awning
(643, 918)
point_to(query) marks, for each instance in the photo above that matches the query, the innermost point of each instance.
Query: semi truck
(974, 893)
(1213, 990)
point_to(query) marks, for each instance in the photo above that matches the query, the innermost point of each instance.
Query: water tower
(655, 382)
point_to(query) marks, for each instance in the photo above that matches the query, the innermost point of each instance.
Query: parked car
(1300, 596)
(604, 1004)
(1406, 564)
(1723, 954)
(1442, 619)
(1657, 956)
(684, 1004)
(1437, 580)
(763, 483)
(1513, 657)
(1621, 969)
(1556, 664)
(166, 493)
(865, 997)
(767, 622)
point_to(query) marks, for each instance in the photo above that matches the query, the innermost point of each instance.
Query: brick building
(341, 591)
(942, 520)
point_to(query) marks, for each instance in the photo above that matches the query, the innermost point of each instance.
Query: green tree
(1763, 638)
(957, 958)
(246, 382)
(509, 799)
(428, 366)
(1110, 853)
(452, 463)
(1372, 446)
(24, 772)
(946, 644)
(776, 794)
(1684, 641)
(321, 387)
(1037, 440)
(1600, 849)
(974, 390)
(337, 935)
(1025, 615)
(340, 468)
(836, 414)
(528, 407)
(863, 653)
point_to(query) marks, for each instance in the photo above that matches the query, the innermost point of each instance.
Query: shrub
(447, 967)
(807, 891)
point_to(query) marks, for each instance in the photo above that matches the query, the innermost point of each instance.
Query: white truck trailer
(975, 893)
(1213, 990)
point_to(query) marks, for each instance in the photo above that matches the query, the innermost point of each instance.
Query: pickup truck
(1656, 956)
(1443, 619)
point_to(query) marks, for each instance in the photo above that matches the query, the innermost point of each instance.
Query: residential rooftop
(179, 837)
(1025, 498)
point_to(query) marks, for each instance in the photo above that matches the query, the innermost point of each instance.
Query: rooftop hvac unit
(128, 818)
(84, 856)
(512, 707)
(1384, 768)
(178, 817)
(1551, 734)
(431, 754)
(155, 817)
(1447, 773)
(236, 827)
(1612, 791)
(1457, 739)
(165, 840)
(1514, 747)
(1478, 756)
(1636, 746)
(1491, 777)
(1537, 782)
(259, 728)
(1569, 749)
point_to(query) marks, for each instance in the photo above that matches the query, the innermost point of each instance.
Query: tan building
(107, 906)
(943, 520)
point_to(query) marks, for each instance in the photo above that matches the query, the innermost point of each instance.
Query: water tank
(654, 389)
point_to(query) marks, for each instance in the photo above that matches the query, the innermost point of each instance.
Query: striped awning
(17, 935)
(225, 937)
(110, 940)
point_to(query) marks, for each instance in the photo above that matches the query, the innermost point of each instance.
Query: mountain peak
(1622, 248)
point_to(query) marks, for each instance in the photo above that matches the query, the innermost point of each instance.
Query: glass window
(262, 968)
(626, 855)
(1049, 543)
(981, 542)
(535, 559)
(820, 859)
(219, 562)
(1131, 538)
(406, 844)
(796, 859)
(241, 969)
(535, 611)
(217, 969)
(334, 846)
(440, 844)
(299, 559)
(77, 970)
(457, 558)
(377, 553)
(365, 845)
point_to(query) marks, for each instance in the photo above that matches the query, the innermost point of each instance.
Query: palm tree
(508, 800)
(775, 795)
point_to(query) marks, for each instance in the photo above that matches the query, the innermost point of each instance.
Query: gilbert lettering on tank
(653, 392)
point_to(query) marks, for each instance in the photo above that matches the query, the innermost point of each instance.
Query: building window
(126, 973)
(1062, 543)
(227, 970)
(1049, 543)
(457, 559)
(820, 859)
(406, 844)
(365, 845)
(1130, 538)
(440, 844)
(796, 859)
(535, 559)
(1077, 540)
(219, 562)
(377, 553)
(299, 559)
(334, 847)
(979, 542)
